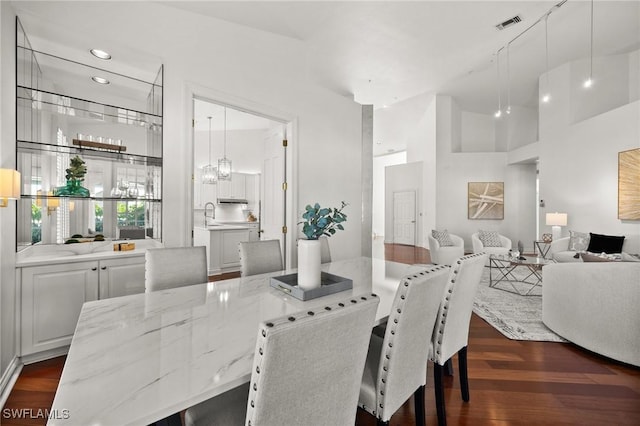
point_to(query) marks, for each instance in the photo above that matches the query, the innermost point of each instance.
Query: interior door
(272, 211)
(404, 217)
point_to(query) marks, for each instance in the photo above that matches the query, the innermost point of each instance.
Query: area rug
(515, 316)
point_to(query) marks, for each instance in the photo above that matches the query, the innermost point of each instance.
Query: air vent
(509, 22)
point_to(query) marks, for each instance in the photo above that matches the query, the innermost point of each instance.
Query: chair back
(451, 332)
(405, 348)
(174, 267)
(260, 257)
(308, 366)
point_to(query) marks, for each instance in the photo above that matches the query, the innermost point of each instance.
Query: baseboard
(9, 379)
(44, 355)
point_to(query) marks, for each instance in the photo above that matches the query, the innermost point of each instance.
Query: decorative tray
(329, 284)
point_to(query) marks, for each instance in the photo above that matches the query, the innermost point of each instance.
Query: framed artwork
(629, 184)
(485, 200)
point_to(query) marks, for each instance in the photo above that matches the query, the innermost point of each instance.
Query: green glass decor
(75, 177)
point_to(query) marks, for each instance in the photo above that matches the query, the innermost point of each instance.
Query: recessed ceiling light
(101, 54)
(100, 80)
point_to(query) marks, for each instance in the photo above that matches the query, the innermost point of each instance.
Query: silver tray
(329, 284)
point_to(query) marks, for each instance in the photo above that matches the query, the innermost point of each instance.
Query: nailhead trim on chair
(274, 326)
(395, 316)
(449, 291)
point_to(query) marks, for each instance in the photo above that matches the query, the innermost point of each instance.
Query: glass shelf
(90, 153)
(55, 197)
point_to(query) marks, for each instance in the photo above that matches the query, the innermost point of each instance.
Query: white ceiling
(387, 51)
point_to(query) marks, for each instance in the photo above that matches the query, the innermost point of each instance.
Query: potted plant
(75, 176)
(317, 222)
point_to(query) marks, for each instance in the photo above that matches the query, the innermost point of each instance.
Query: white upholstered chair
(307, 370)
(174, 267)
(451, 332)
(446, 255)
(478, 247)
(396, 365)
(260, 257)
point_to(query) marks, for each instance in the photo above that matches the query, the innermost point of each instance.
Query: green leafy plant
(76, 170)
(319, 221)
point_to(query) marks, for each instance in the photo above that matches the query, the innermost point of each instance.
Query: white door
(404, 217)
(272, 210)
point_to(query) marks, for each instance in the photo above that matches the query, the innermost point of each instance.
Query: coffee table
(502, 273)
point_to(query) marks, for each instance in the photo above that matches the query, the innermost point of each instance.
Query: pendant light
(224, 164)
(498, 113)
(508, 110)
(589, 81)
(209, 172)
(546, 97)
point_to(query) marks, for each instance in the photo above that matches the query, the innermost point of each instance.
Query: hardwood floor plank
(511, 382)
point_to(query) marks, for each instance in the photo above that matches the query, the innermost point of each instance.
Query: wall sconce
(52, 203)
(9, 186)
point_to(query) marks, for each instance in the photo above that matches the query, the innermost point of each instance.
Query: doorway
(404, 217)
(255, 194)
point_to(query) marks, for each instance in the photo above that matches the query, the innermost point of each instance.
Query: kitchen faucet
(213, 213)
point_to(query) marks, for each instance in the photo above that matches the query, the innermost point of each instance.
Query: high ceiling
(387, 51)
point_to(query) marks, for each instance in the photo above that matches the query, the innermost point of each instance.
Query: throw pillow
(599, 243)
(578, 241)
(442, 237)
(590, 257)
(490, 238)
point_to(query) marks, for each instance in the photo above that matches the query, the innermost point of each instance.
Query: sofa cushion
(591, 257)
(490, 238)
(599, 243)
(578, 241)
(442, 237)
(566, 256)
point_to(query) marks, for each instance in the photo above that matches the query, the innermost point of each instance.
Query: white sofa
(595, 305)
(559, 250)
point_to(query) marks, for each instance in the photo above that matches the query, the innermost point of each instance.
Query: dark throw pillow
(599, 243)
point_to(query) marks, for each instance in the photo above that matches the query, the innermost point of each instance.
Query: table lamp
(556, 220)
(9, 186)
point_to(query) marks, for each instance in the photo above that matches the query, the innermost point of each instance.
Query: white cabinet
(52, 297)
(121, 277)
(254, 235)
(222, 247)
(252, 190)
(233, 189)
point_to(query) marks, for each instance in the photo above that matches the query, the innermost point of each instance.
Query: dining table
(138, 359)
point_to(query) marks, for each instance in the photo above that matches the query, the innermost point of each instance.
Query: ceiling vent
(509, 22)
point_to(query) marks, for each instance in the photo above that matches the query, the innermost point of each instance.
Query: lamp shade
(9, 185)
(557, 219)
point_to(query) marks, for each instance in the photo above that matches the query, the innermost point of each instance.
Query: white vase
(309, 264)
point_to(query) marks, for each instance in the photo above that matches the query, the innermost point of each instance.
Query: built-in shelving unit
(117, 130)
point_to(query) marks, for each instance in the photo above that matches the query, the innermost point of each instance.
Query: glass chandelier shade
(224, 164)
(209, 172)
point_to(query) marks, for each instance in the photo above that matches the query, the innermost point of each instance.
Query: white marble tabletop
(140, 358)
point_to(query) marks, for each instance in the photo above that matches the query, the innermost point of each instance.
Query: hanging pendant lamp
(224, 164)
(209, 172)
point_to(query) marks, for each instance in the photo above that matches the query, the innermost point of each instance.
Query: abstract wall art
(629, 184)
(485, 200)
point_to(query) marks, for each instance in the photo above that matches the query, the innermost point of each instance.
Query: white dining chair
(174, 267)
(307, 369)
(451, 332)
(396, 364)
(260, 257)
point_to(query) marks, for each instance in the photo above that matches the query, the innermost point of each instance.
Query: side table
(542, 247)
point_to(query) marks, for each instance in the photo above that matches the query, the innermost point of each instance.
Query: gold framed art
(629, 184)
(485, 200)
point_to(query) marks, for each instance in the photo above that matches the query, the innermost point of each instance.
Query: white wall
(245, 149)
(400, 178)
(379, 200)
(579, 173)
(477, 132)
(7, 160)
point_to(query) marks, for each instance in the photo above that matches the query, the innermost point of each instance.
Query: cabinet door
(52, 297)
(253, 233)
(121, 277)
(224, 189)
(238, 190)
(230, 240)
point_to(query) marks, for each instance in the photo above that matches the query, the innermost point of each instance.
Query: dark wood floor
(511, 382)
